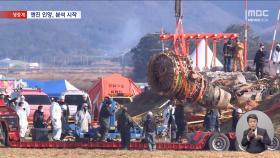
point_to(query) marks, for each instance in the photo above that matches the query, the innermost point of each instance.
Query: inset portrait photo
(254, 131)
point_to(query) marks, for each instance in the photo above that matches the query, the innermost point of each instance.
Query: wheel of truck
(218, 142)
(275, 143)
(3, 136)
(238, 147)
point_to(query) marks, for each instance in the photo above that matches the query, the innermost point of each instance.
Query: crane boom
(178, 10)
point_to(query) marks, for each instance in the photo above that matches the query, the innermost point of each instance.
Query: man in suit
(255, 138)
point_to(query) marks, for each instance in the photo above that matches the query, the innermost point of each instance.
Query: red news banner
(13, 14)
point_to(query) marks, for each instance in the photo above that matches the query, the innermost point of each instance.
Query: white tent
(201, 57)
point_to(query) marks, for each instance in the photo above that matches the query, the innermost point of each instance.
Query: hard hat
(21, 98)
(150, 113)
(278, 45)
(62, 97)
(239, 111)
(64, 107)
(84, 95)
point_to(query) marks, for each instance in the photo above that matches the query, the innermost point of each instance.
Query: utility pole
(162, 43)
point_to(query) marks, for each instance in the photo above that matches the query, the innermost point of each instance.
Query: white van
(74, 100)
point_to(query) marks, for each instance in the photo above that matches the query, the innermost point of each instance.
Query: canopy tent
(54, 88)
(112, 85)
(201, 57)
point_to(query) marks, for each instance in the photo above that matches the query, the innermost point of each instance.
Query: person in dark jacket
(38, 118)
(180, 120)
(124, 124)
(255, 138)
(149, 130)
(259, 61)
(211, 121)
(236, 114)
(228, 50)
(104, 116)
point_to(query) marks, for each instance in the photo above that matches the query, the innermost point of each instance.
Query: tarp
(201, 57)
(111, 85)
(54, 88)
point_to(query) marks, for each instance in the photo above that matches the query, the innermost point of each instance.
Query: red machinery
(216, 37)
(9, 136)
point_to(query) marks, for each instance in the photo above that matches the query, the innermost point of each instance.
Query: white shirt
(83, 119)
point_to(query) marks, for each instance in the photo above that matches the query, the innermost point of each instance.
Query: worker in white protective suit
(25, 104)
(276, 58)
(55, 114)
(23, 123)
(167, 113)
(83, 119)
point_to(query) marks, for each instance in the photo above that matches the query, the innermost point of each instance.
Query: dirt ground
(90, 153)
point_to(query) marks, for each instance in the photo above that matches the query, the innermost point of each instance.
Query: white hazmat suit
(25, 104)
(56, 113)
(169, 110)
(82, 120)
(23, 123)
(276, 58)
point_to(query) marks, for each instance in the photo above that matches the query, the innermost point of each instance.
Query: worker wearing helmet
(172, 124)
(55, 114)
(23, 123)
(25, 104)
(238, 55)
(276, 58)
(236, 114)
(167, 113)
(83, 119)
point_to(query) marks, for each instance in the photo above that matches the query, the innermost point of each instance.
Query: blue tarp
(54, 88)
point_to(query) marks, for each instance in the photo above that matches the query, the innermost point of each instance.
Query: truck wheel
(3, 136)
(238, 147)
(275, 143)
(218, 142)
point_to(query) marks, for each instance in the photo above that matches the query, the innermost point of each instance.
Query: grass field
(90, 153)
